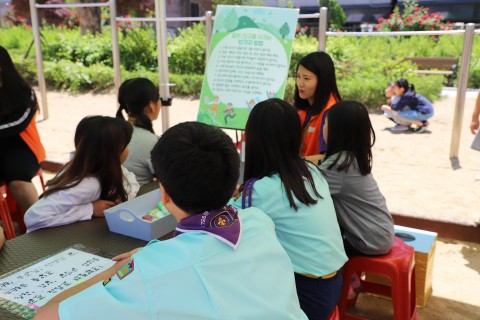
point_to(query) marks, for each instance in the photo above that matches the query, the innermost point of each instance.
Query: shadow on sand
(375, 308)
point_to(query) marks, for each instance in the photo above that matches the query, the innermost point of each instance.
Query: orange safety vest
(313, 130)
(32, 139)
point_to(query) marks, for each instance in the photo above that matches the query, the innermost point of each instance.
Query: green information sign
(248, 63)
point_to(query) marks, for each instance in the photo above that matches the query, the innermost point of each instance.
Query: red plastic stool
(5, 214)
(10, 210)
(239, 141)
(398, 266)
(335, 315)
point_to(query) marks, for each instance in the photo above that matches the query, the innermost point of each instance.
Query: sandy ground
(414, 173)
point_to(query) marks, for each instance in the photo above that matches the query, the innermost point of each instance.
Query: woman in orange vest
(315, 92)
(21, 151)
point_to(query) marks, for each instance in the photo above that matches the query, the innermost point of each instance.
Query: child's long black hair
(16, 95)
(273, 139)
(99, 143)
(133, 96)
(350, 130)
(403, 83)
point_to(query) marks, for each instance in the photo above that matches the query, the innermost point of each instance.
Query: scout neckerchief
(247, 193)
(224, 224)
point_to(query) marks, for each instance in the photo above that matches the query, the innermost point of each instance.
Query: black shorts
(17, 161)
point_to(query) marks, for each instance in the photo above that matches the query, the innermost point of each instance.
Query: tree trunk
(89, 18)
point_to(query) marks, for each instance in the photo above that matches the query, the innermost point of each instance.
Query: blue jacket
(414, 101)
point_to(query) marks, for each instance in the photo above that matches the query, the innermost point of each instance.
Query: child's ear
(151, 107)
(165, 195)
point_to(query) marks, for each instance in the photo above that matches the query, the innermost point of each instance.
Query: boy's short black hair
(198, 165)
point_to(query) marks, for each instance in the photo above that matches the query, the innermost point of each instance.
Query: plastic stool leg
(7, 220)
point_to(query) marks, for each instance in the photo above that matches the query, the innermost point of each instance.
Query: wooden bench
(431, 65)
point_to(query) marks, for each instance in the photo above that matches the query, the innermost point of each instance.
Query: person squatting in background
(411, 108)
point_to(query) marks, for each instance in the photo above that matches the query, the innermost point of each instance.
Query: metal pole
(208, 33)
(322, 28)
(461, 90)
(115, 50)
(161, 24)
(39, 58)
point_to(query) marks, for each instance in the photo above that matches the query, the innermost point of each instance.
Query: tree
(231, 20)
(336, 15)
(124, 7)
(238, 2)
(90, 18)
(284, 30)
(137, 8)
(413, 18)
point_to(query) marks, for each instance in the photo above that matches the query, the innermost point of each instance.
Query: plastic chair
(10, 211)
(5, 214)
(335, 315)
(398, 266)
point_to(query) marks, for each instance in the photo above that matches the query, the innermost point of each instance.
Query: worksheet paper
(35, 285)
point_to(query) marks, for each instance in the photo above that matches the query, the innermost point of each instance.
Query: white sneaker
(420, 129)
(399, 128)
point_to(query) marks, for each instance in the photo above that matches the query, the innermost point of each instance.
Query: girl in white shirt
(92, 181)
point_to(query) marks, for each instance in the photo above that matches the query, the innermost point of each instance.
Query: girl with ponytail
(410, 109)
(140, 100)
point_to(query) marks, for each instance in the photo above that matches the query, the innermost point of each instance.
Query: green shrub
(138, 49)
(186, 84)
(413, 18)
(302, 45)
(187, 51)
(364, 65)
(68, 44)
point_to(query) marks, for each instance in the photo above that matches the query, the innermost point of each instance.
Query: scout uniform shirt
(311, 235)
(197, 276)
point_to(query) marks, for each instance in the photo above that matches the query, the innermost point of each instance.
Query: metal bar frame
(322, 29)
(38, 45)
(208, 33)
(461, 91)
(161, 32)
(468, 33)
(72, 5)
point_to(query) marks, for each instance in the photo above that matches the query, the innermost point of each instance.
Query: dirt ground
(414, 173)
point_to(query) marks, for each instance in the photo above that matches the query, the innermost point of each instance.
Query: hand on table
(101, 205)
(126, 255)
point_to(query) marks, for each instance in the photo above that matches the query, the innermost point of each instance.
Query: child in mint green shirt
(222, 263)
(296, 196)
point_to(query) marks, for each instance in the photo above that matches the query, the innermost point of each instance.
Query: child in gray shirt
(366, 223)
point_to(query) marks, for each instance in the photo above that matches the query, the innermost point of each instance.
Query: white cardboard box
(126, 218)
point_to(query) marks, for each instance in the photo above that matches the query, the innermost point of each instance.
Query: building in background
(369, 11)
(4, 4)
